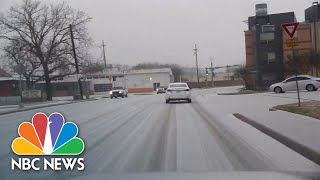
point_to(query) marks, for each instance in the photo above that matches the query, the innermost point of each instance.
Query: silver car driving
(178, 91)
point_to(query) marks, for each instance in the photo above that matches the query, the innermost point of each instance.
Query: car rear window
(117, 88)
(178, 85)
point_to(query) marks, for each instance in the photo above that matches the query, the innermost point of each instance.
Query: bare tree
(93, 68)
(242, 72)
(43, 33)
(21, 62)
(299, 64)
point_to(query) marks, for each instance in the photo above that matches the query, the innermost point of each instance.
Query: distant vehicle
(178, 91)
(305, 82)
(161, 89)
(118, 92)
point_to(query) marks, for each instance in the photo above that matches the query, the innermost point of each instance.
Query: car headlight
(110, 92)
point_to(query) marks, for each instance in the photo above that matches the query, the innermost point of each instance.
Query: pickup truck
(118, 92)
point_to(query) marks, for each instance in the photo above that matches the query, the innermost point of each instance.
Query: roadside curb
(44, 106)
(290, 143)
(142, 94)
(239, 93)
(272, 95)
(8, 107)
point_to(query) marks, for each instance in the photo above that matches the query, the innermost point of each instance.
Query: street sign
(292, 42)
(290, 28)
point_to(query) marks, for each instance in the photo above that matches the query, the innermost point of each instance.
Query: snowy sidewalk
(6, 109)
(303, 129)
(28, 106)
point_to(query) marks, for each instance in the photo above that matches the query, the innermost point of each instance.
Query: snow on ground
(142, 134)
(303, 129)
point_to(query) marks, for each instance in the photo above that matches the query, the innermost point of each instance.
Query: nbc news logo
(48, 136)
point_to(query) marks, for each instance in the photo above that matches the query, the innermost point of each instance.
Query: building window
(271, 57)
(102, 87)
(61, 87)
(268, 28)
(267, 36)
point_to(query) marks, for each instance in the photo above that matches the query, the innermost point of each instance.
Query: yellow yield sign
(292, 42)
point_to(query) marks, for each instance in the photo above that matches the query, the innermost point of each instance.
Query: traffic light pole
(207, 74)
(211, 72)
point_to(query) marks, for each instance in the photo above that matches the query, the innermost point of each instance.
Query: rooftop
(142, 71)
(3, 73)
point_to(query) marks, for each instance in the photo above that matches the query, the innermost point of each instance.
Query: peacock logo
(48, 136)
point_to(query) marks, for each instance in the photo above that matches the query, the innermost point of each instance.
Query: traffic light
(207, 73)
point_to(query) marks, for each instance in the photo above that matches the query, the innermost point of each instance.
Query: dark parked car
(161, 89)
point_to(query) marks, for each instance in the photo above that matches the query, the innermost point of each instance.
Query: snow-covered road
(142, 134)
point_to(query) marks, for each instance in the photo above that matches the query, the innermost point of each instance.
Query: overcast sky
(165, 31)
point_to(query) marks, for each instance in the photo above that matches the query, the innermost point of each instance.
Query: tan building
(250, 61)
(306, 45)
(306, 39)
(267, 54)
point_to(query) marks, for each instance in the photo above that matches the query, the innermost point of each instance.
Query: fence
(10, 100)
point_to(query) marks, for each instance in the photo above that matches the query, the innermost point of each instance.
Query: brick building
(265, 44)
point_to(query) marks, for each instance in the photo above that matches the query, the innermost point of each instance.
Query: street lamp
(152, 85)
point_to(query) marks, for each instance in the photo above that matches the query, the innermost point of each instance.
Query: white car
(178, 91)
(161, 89)
(118, 92)
(305, 82)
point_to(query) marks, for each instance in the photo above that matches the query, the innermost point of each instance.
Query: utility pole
(76, 60)
(315, 5)
(211, 71)
(104, 54)
(21, 105)
(196, 54)
(228, 71)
